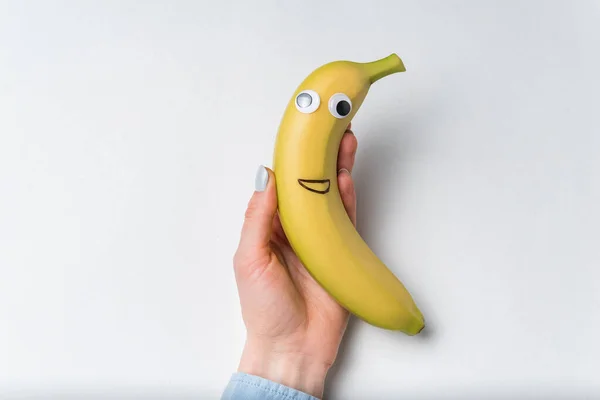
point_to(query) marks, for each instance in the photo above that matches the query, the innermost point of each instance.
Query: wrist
(294, 369)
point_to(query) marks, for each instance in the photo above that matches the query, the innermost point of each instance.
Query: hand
(294, 328)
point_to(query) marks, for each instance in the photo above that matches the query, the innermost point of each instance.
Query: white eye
(340, 105)
(307, 101)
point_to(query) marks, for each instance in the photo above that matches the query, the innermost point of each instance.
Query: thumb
(258, 220)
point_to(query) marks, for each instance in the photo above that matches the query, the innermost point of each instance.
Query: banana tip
(400, 64)
(384, 67)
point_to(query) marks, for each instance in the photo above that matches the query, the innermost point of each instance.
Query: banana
(310, 207)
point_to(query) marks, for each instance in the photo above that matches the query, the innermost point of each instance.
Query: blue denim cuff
(243, 386)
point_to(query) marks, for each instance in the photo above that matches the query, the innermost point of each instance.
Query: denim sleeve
(243, 386)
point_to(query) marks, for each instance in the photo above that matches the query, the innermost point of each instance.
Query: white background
(130, 133)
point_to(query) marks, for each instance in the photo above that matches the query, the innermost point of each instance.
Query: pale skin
(294, 327)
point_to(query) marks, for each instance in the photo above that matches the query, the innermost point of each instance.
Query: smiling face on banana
(316, 118)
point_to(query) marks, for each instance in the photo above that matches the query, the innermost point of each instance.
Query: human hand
(294, 327)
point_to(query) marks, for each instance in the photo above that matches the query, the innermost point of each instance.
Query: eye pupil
(304, 100)
(343, 108)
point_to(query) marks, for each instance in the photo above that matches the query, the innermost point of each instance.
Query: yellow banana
(310, 207)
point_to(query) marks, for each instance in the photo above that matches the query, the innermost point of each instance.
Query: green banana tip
(383, 67)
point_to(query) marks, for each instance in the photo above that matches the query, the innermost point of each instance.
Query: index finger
(347, 151)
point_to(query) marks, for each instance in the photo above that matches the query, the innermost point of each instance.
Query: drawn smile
(320, 186)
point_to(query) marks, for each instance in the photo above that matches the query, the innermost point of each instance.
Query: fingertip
(265, 193)
(265, 178)
(345, 183)
(271, 187)
(347, 152)
(352, 142)
(260, 211)
(347, 192)
(345, 180)
(261, 180)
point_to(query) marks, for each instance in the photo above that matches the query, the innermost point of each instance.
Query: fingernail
(343, 170)
(261, 180)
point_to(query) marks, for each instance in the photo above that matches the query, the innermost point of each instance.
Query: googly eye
(340, 105)
(307, 101)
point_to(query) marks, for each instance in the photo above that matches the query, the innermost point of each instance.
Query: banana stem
(384, 67)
